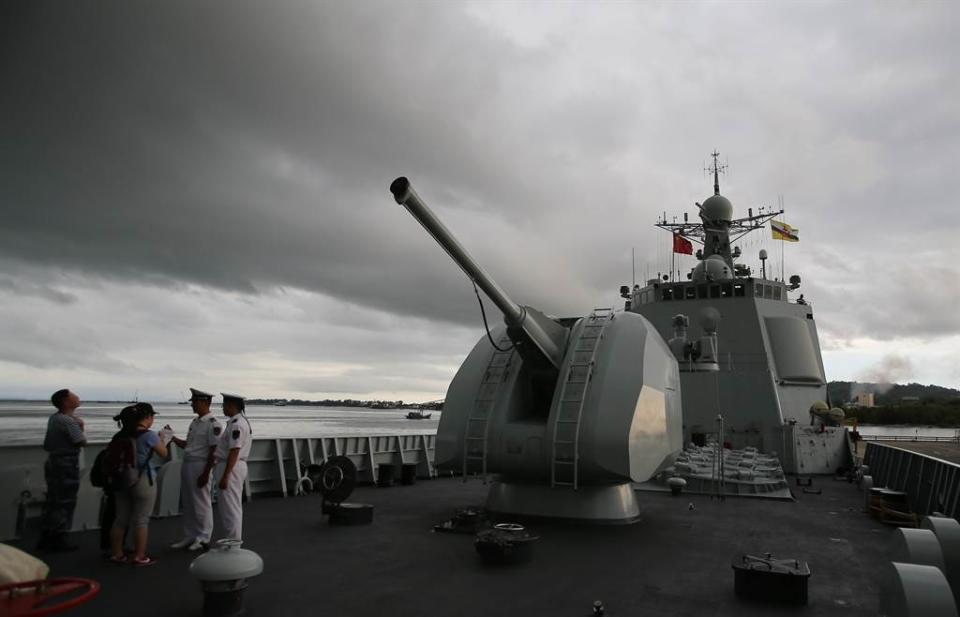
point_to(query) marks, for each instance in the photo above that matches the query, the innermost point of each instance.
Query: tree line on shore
(911, 403)
(943, 414)
(349, 402)
(842, 392)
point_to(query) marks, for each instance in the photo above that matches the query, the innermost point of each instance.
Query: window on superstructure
(690, 292)
(726, 290)
(738, 291)
(714, 291)
(776, 293)
(758, 290)
(701, 291)
(768, 291)
(667, 293)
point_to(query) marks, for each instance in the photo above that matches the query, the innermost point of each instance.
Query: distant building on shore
(864, 399)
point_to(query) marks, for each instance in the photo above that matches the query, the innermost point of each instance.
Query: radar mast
(717, 169)
(718, 230)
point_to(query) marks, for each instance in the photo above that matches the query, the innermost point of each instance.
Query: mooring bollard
(676, 485)
(223, 573)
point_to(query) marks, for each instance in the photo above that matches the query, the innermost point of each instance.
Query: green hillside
(841, 392)
(912, 403)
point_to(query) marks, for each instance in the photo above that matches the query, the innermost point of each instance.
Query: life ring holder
(45, 597)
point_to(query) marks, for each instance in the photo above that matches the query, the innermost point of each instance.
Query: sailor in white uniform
(198, 461)
(231, 454)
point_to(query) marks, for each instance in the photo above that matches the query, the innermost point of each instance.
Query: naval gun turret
(563, 414)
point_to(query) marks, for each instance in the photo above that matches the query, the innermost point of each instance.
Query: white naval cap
(200, 394)
(234, 397)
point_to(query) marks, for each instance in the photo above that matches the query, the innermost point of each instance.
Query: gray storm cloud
(247, 148)
(257, 157)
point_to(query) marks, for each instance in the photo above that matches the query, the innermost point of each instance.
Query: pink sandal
(145, 561)
(121, 560)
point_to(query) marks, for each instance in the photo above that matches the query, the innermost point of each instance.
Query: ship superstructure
(747, 352)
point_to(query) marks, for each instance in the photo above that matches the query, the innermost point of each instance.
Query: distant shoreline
(908, 425)
(47, 401)
(350, 403)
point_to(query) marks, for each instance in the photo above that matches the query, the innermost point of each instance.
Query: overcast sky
(195, 193)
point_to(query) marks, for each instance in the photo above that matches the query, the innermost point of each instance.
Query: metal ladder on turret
(565, 461)
(477, 431)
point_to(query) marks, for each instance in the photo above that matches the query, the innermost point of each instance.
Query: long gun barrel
(545, 333)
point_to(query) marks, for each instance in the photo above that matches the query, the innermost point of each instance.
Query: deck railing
(275, 466)
(931, 438)
(931, 484)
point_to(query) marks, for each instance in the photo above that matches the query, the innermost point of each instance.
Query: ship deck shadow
(675, 561)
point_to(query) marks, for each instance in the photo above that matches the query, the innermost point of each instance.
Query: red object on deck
(45, 597)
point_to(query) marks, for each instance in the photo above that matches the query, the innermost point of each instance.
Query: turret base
(609, 504)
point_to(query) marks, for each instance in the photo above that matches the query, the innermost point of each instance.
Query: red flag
(682, 245)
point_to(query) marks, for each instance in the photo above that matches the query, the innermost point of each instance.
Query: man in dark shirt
(62, 470)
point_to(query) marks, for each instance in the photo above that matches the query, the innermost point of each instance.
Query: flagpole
(781, 259)
(784, 214)
(633, 264)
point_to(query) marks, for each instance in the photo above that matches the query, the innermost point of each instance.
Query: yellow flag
(782, 231)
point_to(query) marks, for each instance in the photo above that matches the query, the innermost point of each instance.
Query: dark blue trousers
(62, 472)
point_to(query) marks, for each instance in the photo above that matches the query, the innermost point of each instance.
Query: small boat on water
(417, 414)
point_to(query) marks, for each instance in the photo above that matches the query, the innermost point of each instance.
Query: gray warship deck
(676, 561)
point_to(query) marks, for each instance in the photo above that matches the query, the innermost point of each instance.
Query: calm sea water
(26, 423)
(908, 431)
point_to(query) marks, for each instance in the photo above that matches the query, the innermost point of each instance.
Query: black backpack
(98, 477)
(119, 462)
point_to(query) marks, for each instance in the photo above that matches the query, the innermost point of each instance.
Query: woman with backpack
(98, 477)
(131, 469)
